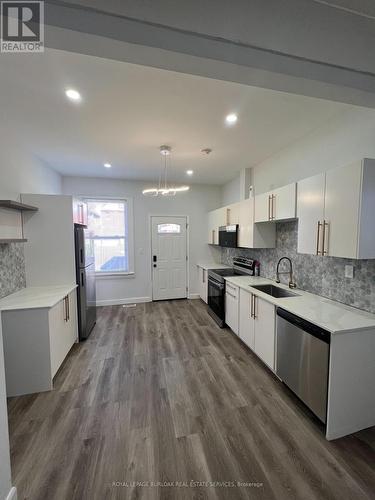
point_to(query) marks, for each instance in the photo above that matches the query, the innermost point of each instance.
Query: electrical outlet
(349, 272)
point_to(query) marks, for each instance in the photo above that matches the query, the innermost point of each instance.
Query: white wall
(195, 204)
(5, 475)
(21, 172)
(347, 137)
(231, 191)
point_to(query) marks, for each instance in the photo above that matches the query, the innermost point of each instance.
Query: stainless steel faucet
(290, 272)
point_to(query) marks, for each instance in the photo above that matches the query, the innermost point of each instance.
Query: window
(108, 230)
(169, 228)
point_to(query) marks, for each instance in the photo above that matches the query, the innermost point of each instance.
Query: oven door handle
(215, 284)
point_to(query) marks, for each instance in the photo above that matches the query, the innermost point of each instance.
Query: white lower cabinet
(62, 329)
(264, 328)
(232, 306)
(257, 326)
(36, 342)
(246, 321)
(202, 284)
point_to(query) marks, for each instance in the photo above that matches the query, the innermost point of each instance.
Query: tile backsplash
(321, 275)
(12, 268)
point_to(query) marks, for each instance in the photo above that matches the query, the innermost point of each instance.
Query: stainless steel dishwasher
(302, 360)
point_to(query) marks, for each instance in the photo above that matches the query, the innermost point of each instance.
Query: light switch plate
(349, 271)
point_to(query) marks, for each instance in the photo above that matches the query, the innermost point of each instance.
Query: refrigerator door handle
(82, 279)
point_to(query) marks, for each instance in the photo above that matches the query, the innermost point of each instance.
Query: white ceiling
(128, 111)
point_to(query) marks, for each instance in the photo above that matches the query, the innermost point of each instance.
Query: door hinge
(187, 225)
(187, 258)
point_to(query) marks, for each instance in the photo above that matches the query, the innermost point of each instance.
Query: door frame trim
(150, 216)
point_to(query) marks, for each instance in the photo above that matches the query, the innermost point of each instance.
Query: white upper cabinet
(283, 203)
(242, 214)
(233, 213)
(216, 219)
(342, 211)
(262, 207)
(343, 224)
(310, 213)
(251, 235)
(279, 204)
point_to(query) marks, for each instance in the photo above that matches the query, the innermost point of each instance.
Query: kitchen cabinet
(232, 306)
(310, 212)
(257, 326)
(264, 330)
(216, 219)
(80, 211)
(202, 284)
(36, 342)
(252, 235)
(246, 329)
(335, 212)
(62, 322)
(233, 214)
(279, 204)
(242, 214)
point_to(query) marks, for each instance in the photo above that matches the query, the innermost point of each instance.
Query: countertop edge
(48, 304)
(303, 293)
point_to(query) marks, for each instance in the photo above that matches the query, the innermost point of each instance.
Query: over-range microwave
(228, 236)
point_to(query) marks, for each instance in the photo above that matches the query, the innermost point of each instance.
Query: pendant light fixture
(164, 188)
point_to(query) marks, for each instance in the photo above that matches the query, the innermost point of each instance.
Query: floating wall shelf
(16, 205)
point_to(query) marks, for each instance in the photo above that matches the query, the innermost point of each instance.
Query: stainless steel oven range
(216, 285)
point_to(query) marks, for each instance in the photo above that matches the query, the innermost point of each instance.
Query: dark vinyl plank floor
(159, 403)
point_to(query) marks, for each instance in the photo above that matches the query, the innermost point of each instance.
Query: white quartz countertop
(37, 297)
(328, 314)
(212, 265)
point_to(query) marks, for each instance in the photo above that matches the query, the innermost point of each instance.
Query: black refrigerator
(85, 272)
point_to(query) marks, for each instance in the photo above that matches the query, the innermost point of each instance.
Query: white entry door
(169, 258)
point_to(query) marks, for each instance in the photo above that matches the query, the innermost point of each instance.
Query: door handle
(254, 307)
(318, 252)
(204, 276)
(273, 205)
(251, 306)
(68, 307)
(82, 280)
(269, 207)
(325, 225)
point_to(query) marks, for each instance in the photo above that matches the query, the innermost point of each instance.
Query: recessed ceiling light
(107, 165)
(73, 95)
(231, 118)
(189, 172)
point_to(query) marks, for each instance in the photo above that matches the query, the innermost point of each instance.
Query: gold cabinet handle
(254, 306)
(269, 207)
(325, 225)
(318, 251)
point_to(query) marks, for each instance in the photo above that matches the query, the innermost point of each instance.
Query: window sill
(103, 276)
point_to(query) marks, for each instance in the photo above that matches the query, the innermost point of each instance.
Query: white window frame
(130, 273)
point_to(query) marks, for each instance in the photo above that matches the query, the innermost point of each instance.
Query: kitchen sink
(275, 291)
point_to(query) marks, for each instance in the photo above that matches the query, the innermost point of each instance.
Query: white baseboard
(12, 495)
(119, 302)
(194, 296)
